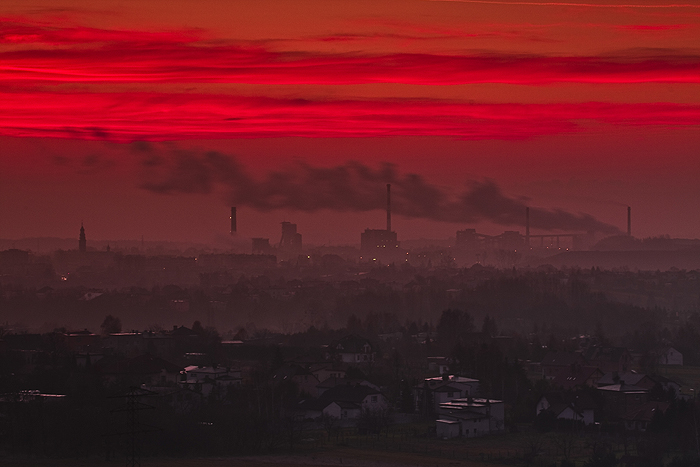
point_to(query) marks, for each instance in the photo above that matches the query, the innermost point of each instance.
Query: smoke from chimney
(350, 187)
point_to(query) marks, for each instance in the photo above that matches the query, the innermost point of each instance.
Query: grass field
(373, 451)
(687, 376)
(404, 445)
(342, 456)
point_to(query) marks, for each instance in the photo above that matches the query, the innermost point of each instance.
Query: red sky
(151, 118)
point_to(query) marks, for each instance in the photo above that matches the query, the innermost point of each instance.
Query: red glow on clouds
(153, 116)
(139, 57)
(517, 93)
(655, 27)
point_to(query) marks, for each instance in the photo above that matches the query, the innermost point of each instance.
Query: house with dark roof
(345, 402)
(300, 376)
(210, 379)
(314, 409)
(633, 378)
(641, 417)
(577, 377)
(577, 407)
(622, 398)
(667, 385)
(351, 349)
(558, 364)
(325, 370)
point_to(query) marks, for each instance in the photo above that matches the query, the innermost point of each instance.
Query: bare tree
(329, 422)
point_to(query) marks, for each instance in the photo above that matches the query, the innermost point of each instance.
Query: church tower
(82, 243)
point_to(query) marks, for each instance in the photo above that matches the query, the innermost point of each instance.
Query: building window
(374, 399)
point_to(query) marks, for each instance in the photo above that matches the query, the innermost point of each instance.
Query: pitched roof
(351, 344)
(290, 371)
(629, 377)
(576, 377)
(558, 407)
(646, 412)
(623, 387)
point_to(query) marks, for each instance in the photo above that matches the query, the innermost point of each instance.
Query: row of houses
(572, 368)
(630, 398)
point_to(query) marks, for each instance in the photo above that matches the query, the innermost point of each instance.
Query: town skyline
(147, 120)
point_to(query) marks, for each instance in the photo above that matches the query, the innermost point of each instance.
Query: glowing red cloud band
(176, 65)
(152, 116)
(135, 57)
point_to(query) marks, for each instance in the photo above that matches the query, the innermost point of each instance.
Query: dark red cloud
(348, 187)
(78, 55)
(125, 117)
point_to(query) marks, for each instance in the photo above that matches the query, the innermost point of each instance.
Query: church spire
(82, 243)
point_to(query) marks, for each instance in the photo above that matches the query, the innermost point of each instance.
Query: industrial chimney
(527, 227)
(388, 207)
(233, 221)
(629, 221)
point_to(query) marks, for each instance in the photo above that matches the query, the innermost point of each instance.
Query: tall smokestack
(233, 220)
(388, 207)
(629, 221)
(527, 227)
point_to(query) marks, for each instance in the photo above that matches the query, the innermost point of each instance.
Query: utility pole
(134, 427)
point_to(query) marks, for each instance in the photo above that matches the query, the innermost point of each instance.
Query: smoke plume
(348, 187)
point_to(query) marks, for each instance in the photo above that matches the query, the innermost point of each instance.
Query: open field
(372, 451)
(346, 457)
(687, 376)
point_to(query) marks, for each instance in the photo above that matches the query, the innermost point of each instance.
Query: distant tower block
(629, 221)
(291, 240)
(233, 221)
(82, 242)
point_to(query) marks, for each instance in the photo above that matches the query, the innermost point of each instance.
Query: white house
(441, 389)
(669, 356)
(476, 417)
(345, 401)
(205, 379)
(352, 349)
(577, 407)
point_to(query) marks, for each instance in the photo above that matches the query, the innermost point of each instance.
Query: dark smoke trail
(348, 187)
